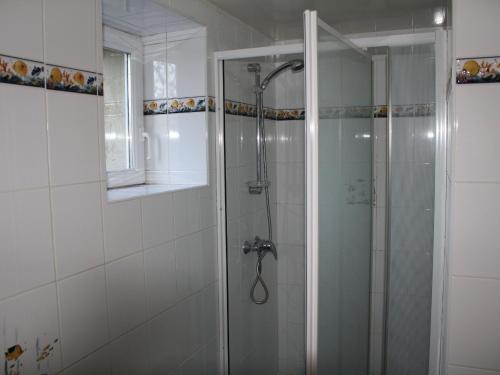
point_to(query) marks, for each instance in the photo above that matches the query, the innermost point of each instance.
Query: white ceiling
(282, 19)
(143, 17)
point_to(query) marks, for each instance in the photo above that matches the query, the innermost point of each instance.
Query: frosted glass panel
(412, 211)
(345, 183)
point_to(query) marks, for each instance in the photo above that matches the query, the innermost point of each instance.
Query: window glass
(117, 111)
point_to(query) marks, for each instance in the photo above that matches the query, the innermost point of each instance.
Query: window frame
(120, 41)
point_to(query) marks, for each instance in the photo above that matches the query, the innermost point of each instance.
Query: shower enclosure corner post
(440, 277)
(221, 212)
(311, 130)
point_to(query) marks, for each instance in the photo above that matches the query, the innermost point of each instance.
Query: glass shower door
(339, 210)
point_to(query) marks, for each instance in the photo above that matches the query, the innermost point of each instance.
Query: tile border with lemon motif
(73, 80)
(478, 70)
(26, 72)
(17, 71)
(175, 105)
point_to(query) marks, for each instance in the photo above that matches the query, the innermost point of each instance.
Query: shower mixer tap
(261, 247)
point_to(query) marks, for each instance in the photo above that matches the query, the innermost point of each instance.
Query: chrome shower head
(294, 65)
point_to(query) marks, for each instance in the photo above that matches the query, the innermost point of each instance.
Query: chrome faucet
(261, 247)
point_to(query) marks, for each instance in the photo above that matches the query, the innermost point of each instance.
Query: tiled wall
(253, 329)
(473, 337)
(86, 286)
(174, 94)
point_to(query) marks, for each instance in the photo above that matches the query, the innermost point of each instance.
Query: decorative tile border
(478, 70)
(183, 105)
(100, 84)
(414, 110)
(73, 80)
(19, 71)
(211, 104)
(175, 105)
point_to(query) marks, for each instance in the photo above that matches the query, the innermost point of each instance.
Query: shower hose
(259, 279)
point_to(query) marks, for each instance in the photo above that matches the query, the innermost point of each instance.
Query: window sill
(137, 191)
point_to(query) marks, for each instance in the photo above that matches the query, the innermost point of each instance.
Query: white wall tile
(28, 39)
(167, 340)
(186, 75)
(157, 220)
(186, 211)
(157, 128)
(475, 217)
(82, 303)
(23, 137)
(97, 363)
(189, 264)
(122, 228)
(476, 29)
(73, 137)
(99, 36)
(155, 72)
(129, 353)
(18, 326)
(476, 146)
(77, 228)
(456, 370)
(126, 294)
(161, 283)
(474, 332)
(187, 149)
(70, 33)
(26, 247)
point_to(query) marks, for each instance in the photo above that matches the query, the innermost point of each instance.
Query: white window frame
(132, 45)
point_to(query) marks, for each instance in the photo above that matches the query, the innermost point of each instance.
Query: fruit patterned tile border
(174, 105)
(413, 110)
(478, 70)
(73, 80)
(25, 72)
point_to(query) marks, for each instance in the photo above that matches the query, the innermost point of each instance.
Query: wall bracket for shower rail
(255, 187)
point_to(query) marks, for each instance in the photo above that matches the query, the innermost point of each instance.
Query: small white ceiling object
(143, 17)
(282, 19)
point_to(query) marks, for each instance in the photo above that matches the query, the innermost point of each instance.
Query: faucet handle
(247, 247)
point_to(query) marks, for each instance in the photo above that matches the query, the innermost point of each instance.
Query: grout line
(49, 173)
(143, 324)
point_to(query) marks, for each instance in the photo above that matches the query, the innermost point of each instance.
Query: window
(117, 121)
(123, 127)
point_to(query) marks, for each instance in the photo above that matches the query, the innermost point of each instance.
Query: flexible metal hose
(258, 278)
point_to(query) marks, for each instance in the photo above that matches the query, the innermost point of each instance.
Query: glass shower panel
(412, 169)
(265, 329)
(345, 190)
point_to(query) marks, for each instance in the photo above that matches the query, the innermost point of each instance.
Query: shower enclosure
(327, 162)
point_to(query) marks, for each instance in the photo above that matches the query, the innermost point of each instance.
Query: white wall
(253, 329)
(126, 287)
(473, 339)
(175, 68)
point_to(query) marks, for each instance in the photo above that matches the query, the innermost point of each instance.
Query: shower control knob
(247, 247)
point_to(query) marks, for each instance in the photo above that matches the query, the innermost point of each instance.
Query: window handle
(147, 140)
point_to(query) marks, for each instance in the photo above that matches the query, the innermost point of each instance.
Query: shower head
(294, 65)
